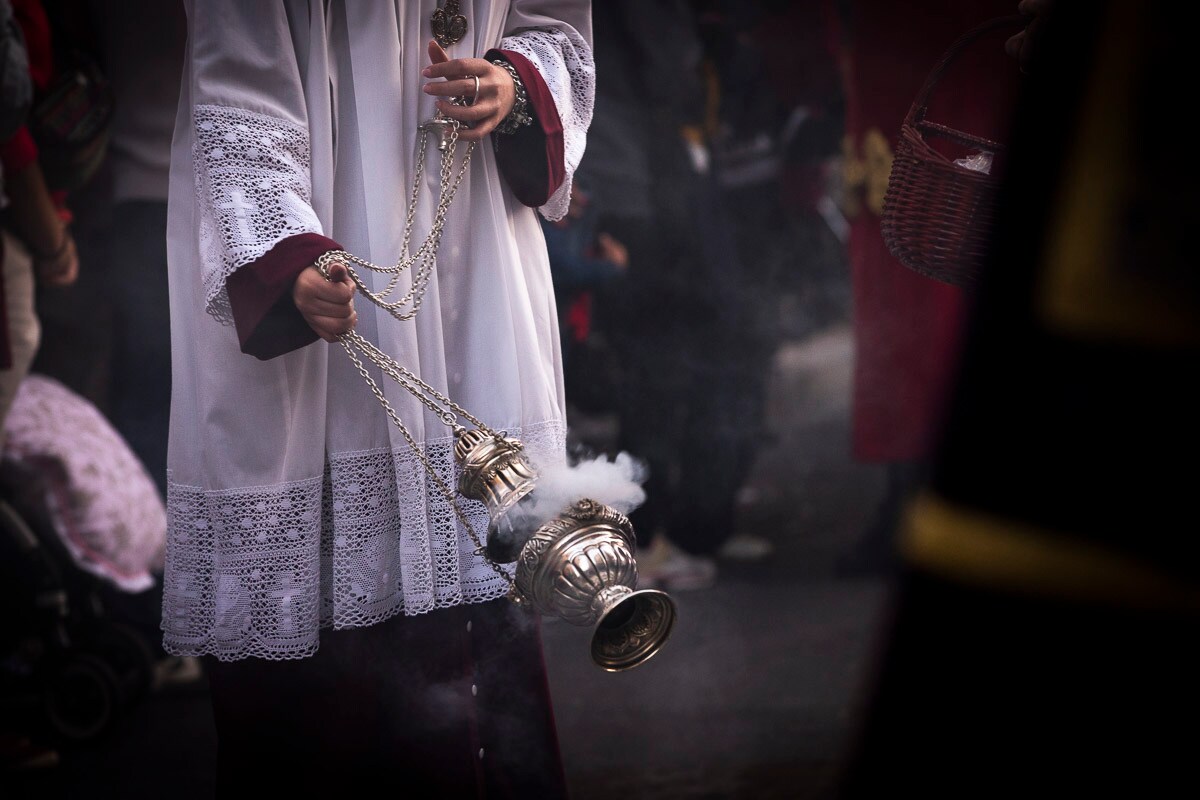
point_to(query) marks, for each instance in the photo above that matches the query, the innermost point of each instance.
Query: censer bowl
(578, 566)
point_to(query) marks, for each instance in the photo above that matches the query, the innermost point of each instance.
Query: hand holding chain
(424, 260)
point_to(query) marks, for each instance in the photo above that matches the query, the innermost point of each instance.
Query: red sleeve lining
(532, 159)
(260, 296)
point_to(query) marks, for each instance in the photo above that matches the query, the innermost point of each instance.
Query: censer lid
(467, 441)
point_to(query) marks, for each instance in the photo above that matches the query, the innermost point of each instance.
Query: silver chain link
(348, 343)
(424, 260)
(446, 409)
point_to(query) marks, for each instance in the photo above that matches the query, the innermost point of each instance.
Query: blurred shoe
(175, 671)
(664, 566)
(746, 547)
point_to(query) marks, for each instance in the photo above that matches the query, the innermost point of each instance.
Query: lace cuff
(253, 189)
(531, 158)
(564, 61)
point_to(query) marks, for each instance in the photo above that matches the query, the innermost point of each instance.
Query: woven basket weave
(938, 215)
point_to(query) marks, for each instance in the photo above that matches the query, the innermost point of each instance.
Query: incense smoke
(616, 483)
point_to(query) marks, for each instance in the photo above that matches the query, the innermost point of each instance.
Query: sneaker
(746, 547)
(668, 568)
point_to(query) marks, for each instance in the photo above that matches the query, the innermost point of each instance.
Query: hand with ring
(487, 91)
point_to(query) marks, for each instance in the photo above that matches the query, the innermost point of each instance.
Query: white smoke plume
(616, 483)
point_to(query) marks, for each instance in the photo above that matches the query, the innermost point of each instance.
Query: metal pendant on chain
(449, 26)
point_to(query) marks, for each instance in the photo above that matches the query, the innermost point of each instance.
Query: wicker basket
(938, 215)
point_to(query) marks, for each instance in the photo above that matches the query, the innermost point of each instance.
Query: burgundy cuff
(532, 159)
(260, 296)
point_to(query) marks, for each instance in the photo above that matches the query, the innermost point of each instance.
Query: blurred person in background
(136, 52)
(1040, 637)
(679, 319)
(143, 46)
(906, 326)
(582, 259)
(772, 141)
(15, 101)
(36, 245)
(38, 248)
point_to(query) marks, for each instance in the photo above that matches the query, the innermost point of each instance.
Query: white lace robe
(293, 505)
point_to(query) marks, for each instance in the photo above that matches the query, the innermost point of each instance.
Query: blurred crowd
(696, 211)
(87, 118)
(700, 235)
(729, 201)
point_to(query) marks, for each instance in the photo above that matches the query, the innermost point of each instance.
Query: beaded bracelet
(519, 115)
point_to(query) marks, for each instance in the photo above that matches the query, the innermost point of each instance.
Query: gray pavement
(754, 696)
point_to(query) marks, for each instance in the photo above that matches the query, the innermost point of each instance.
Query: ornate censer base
(580, 566)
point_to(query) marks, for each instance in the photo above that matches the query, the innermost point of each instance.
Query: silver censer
(579, 566)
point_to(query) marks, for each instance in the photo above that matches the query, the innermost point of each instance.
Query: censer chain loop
(425, 258)
(394, 370)
(446, 409)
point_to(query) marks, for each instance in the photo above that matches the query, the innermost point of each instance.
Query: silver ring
(475, 96)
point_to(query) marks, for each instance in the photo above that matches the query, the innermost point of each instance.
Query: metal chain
(447, 411)
(449, 496)
(425, 257)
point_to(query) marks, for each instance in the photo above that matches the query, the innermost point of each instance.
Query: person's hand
(1023, 45)
(612, 250)
(326, 305)
(578, 203)
(493, 102)
(60, 268)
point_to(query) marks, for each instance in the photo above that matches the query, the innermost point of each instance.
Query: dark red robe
(906, 326)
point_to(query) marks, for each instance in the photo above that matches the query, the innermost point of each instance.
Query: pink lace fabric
(100, 500)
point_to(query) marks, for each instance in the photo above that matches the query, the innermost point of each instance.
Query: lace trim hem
(259, 571)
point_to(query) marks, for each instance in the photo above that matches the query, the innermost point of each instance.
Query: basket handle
(921, 104)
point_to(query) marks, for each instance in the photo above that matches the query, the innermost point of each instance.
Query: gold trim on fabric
(1092, 286)
(963, 544)
(865, 178)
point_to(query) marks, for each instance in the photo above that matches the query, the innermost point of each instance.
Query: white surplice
(293, 504)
